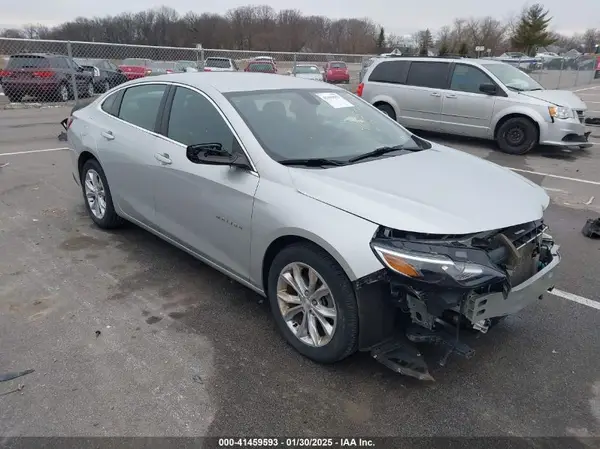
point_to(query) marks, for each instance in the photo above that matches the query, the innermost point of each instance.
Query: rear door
(465, 109)
(127, 143)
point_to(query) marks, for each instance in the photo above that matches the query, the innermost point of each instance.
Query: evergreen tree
(444, 50)
(532, 30)
(463, 50)
(381, 39)
(426, 42)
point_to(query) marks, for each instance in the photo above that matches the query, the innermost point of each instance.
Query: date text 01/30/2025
(295, 442)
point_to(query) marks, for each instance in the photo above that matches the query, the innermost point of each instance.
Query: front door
(465, 109)
(207, 208)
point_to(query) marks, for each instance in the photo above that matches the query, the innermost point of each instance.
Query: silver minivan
(476, 98)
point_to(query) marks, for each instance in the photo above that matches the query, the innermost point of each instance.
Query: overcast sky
(396, 16)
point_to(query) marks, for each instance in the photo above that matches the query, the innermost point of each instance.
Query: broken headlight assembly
(438, 264)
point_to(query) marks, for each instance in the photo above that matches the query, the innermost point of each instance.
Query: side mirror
(489, 89)
(214, 154)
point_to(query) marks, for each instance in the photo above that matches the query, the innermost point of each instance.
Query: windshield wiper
(518, 89)
(316, 162)
(380, 152)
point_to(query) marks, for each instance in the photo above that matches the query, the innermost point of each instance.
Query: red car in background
(261, 66)
(134, 68)
(336, 72)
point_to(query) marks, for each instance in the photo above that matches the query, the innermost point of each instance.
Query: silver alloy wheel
(64, 93)
(90, 90)
(306, 304)
(106, 86)
(95, 193)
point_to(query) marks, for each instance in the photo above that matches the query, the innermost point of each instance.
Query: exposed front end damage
(435, 286)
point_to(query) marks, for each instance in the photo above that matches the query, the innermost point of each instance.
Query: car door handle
(436, 94)
(163, 158)
(108, 135)
(450, 96)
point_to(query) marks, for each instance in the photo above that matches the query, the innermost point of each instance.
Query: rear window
(428, 74)
(338, 65)
(217, 63)
(393, 72)
(27, 62)
(306, 69)
(261, 67)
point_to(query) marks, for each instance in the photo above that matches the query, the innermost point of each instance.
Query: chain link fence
(52, 71)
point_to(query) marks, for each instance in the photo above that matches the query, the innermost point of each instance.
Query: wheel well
(509, 116)
(274, 248)
(83, 158)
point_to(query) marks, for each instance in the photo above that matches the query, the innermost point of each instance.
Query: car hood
(558, 97)
(436, 191)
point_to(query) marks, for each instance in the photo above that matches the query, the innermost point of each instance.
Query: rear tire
(94, 184)
(517, 136)
(63, 93)
(338, 307)
(387, 110)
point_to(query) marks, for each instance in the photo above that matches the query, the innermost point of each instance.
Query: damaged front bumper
(434, 286)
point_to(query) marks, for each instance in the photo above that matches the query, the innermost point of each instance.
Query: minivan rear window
(27, 62)
(217, 63)
(393, 72)
(428, 74)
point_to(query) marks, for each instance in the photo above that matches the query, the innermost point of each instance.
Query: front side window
(194, 120)
(466, 78)
(306, 124)
(141, 104)
(512, 77)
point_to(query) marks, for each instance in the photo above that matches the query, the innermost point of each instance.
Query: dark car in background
(134, 68)
(336, 72)
(261, 66)
(45, 76)
(105, 74)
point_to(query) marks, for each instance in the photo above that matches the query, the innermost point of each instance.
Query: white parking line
(587, 88)
(566, 178)
(576, 298)
(16, 153)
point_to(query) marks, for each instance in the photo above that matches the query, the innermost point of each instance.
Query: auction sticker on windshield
(334, 100)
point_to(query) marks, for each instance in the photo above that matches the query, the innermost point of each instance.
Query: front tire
(387, 110)
(313, 303)
(517, 136)
(97, 196)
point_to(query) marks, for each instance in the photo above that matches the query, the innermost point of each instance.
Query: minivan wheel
(517, 135)
(89, 90)
(106, 86)
(313, 303)
(387, 110)
(96, 193)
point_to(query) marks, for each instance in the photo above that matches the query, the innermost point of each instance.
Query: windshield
(305, 124)
(27, 62)
(512, 77)
(261, 67)
(218, 63)
(307, 69)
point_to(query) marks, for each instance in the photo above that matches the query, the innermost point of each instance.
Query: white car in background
(307, 71)
(266, 59)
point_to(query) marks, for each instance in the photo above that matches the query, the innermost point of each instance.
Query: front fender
(527, 111)
(280, 211)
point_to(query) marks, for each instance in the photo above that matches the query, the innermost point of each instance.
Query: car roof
(473, 61)
(224, 82)
(35, 55)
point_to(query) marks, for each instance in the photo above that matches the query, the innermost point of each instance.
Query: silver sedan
(362, 235)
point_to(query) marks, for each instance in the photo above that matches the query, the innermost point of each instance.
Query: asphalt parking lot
(129, 336)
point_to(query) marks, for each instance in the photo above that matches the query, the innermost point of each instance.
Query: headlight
(560, 112)
(436, 268)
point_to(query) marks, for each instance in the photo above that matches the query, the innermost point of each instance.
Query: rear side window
(428, 74)
(393, 72)
(110, 104)
(28, 62)
(140, 105)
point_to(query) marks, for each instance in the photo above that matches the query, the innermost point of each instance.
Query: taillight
(148, 71)
(69, 122)
(4, 73)
(43, 74)
(207, 69)
(169, 71)
(359, 89)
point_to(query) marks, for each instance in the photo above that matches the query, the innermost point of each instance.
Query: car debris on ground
(591, 228)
